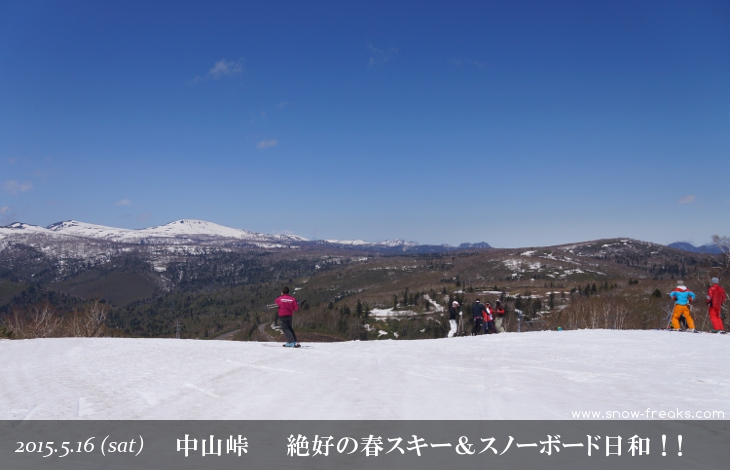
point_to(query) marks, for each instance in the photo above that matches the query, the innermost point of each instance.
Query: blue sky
(516, 123)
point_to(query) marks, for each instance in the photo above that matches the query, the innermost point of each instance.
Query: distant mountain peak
(709, 248)
(481, 245)
(76, 225)
(22, 226)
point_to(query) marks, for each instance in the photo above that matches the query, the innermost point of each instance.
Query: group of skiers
(485, 317)
(491, 319)
(684, 297)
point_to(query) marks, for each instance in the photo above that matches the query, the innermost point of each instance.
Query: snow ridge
(185, 229)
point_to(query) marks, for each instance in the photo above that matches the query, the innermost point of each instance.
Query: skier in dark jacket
(453, 313)
(477, 310)
(287, 306)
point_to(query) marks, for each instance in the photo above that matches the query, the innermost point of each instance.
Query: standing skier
(476, 311)
(715, 297)
(287, 306)
(499, 317)
(453, 311)
(682, 299)
(488, 319)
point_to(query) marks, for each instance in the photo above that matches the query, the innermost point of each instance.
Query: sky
(518, 123)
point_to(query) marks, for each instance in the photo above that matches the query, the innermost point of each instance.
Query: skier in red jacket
(715, 297)
(287, 306)
(488, 320)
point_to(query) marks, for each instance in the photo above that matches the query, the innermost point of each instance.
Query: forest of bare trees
(43, 321)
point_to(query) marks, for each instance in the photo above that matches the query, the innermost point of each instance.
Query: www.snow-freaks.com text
(648, 414)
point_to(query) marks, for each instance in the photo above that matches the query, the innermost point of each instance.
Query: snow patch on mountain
(385, 244)
(19, 228)
(390, 313)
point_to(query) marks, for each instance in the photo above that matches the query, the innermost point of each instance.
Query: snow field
(541, 375)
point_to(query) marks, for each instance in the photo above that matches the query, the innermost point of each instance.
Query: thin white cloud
(7, 215)
(266, 144)
(222, 68)
(380, 56)
(13, 187)
(12, 160)
(123, 202)
(688, 199)
(475, 63)
(226, 69)
(144, 216)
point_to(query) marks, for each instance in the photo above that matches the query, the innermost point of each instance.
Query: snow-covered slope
(19, 228)
(545, 375)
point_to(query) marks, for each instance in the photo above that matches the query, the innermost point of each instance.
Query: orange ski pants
(680, 310)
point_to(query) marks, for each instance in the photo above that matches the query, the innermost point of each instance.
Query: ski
(280, 345)
(685, 331)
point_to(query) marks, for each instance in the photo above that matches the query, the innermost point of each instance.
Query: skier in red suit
(715, 297)
(287, 306)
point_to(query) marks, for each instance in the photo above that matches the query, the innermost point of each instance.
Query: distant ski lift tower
(177, 328)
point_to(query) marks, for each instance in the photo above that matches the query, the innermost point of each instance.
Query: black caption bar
(420, 445)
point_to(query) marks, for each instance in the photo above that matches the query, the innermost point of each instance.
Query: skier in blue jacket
(682, 297)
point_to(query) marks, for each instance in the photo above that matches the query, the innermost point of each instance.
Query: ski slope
(541, 375)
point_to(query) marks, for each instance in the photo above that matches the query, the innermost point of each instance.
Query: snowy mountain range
(190, 231)
(200, 232)
(184, 230)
